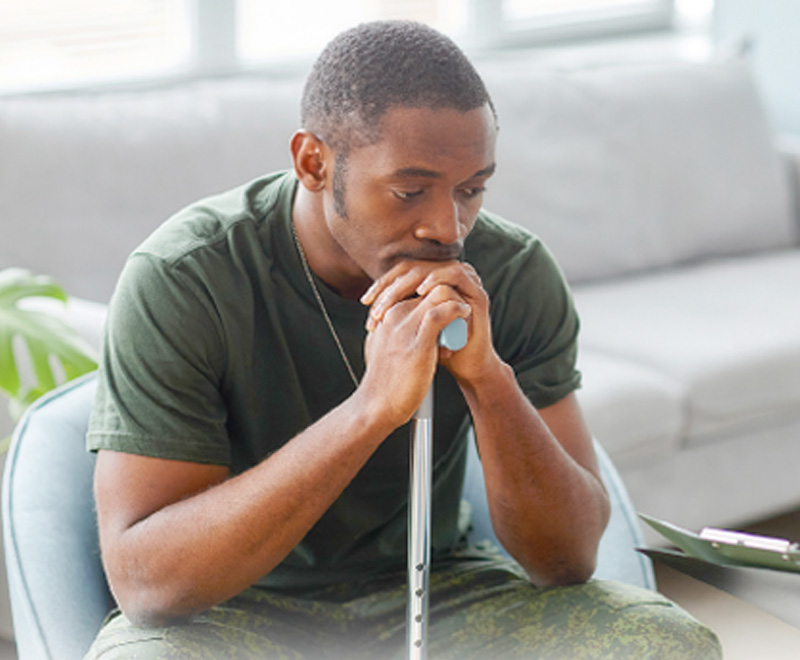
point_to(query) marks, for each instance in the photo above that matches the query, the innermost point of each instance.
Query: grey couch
(658, 185)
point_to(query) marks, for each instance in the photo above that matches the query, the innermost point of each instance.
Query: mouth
(431, 252)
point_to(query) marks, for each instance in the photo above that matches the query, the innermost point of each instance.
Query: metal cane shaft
(453, 337)
(419, 529)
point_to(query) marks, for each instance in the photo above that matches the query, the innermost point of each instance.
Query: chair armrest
(617, 558)
(57, 587)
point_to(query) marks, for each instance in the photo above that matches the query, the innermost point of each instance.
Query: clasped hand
(409, 306)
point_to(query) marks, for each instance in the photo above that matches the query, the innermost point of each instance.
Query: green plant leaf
(18, 283)
(54, 351)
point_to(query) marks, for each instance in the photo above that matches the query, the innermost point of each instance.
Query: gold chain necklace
(321, 303)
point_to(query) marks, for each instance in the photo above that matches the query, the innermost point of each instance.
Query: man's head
(397, 143)
(374, 67)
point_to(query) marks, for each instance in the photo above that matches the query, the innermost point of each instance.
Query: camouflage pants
(479, 609)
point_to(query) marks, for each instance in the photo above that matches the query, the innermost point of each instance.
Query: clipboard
(724, 547)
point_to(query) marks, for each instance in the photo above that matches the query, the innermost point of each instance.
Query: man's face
(415, 193)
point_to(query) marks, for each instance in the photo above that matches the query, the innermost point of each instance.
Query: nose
(441, 224)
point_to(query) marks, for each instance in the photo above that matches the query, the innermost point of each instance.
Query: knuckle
(445, 309)
(399, 310)
(442, 292)
(437, 314)
(392, 315)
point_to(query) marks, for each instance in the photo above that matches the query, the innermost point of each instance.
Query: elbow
(143, 612)
(563, 574)
(148, 598)
(559, 566)
(152, 607)
(148, 617)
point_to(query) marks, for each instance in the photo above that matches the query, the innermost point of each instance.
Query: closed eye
(473, 192)
(407, 195)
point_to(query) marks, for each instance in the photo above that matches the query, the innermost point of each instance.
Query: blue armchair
(59, 595)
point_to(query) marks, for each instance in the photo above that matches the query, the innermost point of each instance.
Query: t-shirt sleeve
(535, 324)
(159, 390)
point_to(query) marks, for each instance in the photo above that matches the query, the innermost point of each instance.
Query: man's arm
(179, 537)
(546, 498)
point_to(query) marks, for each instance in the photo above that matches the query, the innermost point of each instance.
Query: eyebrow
(422, 173)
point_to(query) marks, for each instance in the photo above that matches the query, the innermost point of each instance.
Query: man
(265, 351)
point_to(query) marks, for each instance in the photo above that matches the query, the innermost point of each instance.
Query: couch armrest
(789, 148)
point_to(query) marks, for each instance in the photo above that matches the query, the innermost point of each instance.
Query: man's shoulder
(494, 240)
(219, 219)
(509, 258)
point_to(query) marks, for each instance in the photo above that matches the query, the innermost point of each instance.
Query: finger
(442, 293)
(399, 284)
(460, 276)
(426, 317)
(437, 316)
(398, 290)
(384, 281)
(407, 269)
(395, 316)
(438, 294)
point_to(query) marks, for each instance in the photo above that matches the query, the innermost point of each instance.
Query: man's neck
(324, 255)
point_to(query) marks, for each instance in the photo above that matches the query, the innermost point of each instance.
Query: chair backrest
(59, 595)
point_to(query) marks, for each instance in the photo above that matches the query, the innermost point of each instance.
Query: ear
(309, 155)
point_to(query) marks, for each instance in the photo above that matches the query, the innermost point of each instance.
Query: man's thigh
(478, 609)
(482, 610)
(257, 625)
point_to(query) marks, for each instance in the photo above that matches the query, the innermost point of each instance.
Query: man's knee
(599, 620)
(202, 638)
(610, 620)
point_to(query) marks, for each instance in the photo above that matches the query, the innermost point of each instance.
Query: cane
(454, 337)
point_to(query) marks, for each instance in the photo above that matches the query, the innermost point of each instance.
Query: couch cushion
(634, 410)
(627, 167)
(727, 331)
(85, 177)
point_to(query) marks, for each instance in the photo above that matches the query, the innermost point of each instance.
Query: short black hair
(377, 66)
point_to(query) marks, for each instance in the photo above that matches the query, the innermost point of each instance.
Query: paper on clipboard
(729, 548)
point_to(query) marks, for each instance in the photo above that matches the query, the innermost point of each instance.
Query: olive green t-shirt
(216, 352)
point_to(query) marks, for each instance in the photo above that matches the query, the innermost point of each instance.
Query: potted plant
(38, 351)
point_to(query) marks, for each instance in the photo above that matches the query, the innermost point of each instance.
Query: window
(62, 43)
(522, 10)
(515, 22)
(52, 42)
(267, 31)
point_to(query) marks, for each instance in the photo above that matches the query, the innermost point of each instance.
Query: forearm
(546, 499)
(199, 551)
(547, 503)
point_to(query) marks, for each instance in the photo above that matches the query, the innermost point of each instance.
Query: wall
(773, 27)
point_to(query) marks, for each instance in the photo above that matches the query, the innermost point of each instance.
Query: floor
(745, 632)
